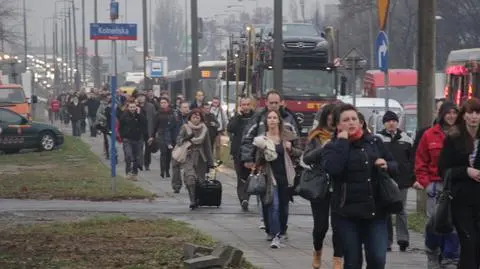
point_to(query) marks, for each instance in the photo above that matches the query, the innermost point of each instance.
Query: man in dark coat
(235, 129)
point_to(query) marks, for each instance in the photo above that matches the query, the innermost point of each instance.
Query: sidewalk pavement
(227, 223)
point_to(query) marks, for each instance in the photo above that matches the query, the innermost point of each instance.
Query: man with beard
(152, 99)
(235, 128)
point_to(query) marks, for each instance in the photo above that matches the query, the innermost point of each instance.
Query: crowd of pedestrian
(340, 147)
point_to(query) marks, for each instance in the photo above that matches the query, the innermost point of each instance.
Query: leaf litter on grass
(101, 242)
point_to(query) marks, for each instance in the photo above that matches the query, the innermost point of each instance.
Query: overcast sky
(40, 9)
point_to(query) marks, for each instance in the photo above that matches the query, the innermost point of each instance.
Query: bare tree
(8, 33)
(262, 15)
(293, 12)
(457, 27)
(169, 32)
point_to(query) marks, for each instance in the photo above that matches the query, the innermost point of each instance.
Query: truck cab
(13, 97)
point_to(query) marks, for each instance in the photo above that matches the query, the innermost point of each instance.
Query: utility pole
(84, 69)
(70, 46)
(76, 77)
(145, 44)
(62, 47)
(185, 44)
(65, 44)
(45, 41)
(426, 69)
(25, 38)
(96, 62)
(277, 46)
(194, 26)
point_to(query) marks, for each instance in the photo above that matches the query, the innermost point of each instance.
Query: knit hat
(390, 115)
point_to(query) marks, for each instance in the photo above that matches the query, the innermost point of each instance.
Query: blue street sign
(156, 68)
(114, 10)
(113, 31)
(381, 51)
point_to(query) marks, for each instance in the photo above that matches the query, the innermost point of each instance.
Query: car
(17, 133)
(301, 40)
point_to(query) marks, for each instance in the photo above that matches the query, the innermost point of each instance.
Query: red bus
(402, 84)
(462, 75)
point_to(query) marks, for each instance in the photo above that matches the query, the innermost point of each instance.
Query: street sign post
(382, 13)
(354, 60)
(381, 53)
(113, 31)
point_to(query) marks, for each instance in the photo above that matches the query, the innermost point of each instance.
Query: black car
(301, 40)
(17, 132)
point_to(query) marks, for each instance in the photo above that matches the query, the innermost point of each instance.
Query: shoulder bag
(314, 184)
(257, 184)
(390, 198)
(442, 221)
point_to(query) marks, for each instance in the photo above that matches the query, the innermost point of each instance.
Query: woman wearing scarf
(199, 154)
(165, 130)
(317, 138)
(276, 149)
(353, 158)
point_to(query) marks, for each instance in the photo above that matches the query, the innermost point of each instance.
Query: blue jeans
(278, 212)
(371, 233)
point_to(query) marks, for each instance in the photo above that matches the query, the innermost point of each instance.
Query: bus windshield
(208, 86)
(12, 96)
(304, 82)
(232, 96)
(403, 94)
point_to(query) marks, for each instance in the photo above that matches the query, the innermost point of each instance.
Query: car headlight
(323, 43)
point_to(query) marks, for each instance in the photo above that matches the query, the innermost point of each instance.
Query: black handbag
(390, 198)
(257, 184)
(314, 184)
(442, 221)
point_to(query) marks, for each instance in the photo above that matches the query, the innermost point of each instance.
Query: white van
(374, 108)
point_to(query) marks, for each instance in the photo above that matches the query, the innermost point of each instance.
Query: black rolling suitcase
(209, 192)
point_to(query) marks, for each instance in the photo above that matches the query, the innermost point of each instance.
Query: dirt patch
(108, 242)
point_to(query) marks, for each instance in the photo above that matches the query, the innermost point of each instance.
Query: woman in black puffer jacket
(353, 159)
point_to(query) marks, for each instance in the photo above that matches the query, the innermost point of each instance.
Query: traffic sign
(381, 51)
(155, 67)
(114, 10)
(382, 13)
(113, 31)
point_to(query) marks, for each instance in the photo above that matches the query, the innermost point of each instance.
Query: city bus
(462, 75)
(209, 71)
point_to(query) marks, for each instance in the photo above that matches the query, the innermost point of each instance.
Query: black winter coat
(133, 126)
(235, 127)
(351, 165)
(401, 148)
(454, 156)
